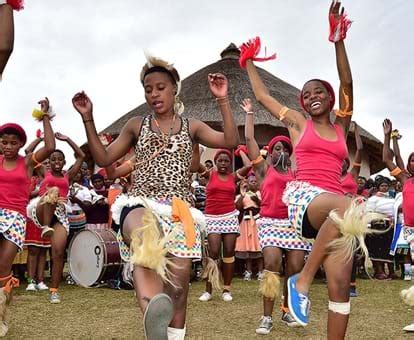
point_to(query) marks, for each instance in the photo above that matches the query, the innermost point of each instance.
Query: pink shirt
(319, 161)
(14, 186)
(349, 185)
(271, 192)
(62, 183)
(220, 195)
(408, 202)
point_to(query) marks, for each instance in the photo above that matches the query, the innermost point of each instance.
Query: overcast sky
(62, 47)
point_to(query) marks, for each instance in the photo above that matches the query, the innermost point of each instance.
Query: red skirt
(33, 236)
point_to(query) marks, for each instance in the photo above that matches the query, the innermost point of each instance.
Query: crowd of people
(283, 218)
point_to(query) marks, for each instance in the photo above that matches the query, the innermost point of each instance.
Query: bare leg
(318, 212)
(8, 251)
(295, 259)
(179, 294)
(272, 262)
(147, 283)
(41, 264)
(339, 278)
(229, 245)
(32, 261)
(214, 247)
(58, 241)
(45, 212)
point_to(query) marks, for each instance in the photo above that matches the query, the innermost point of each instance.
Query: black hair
(11, 131)
(161, 70)
(58, 151)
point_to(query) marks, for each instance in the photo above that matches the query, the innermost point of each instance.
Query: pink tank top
(408, 202)
(271, 191)
(319, 161)
(220, 195)
(349, 185)
(62, 183)
(14, 186)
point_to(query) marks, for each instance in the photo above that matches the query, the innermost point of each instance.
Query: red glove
(338, 25)
(250, 50)
(240, 148)
(16, 4)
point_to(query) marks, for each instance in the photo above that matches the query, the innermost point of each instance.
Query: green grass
(101, 313)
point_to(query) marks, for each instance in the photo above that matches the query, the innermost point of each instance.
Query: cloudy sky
(65, 46)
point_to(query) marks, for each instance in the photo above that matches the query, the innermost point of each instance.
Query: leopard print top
(162, 175)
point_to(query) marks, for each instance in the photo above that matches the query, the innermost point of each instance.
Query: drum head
(86, 258)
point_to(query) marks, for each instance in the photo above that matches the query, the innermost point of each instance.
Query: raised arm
(387, 155)
(204, 134)
(32, 146)
(395, 136)
(293, 120)
(6, 34)
(79, 154)
(259, 164)
(104, 156)
(34, 159)
(346, 94)
(356, 168)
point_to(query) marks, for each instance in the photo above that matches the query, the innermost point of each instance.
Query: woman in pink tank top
(15, 175)
(222, 224)
(276, 233)
(48, 211)
(320, 149)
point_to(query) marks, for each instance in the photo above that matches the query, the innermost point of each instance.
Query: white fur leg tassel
(354, 226)
(211, 272)
(52, 196)
(149, 249)
(408, 296)
(3, 313)
(270, 285)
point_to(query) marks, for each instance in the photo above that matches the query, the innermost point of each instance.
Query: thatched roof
(199, 102)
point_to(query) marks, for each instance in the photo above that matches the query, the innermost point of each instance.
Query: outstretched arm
(293, 120)
(104, 156)
(259, 164)
(387, 156)
(6, 34)
(79, 154)
(34, 159)
(356, 168)
(346, 94)
(205, 135)
(396, 148)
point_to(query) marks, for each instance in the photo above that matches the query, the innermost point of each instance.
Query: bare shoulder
(133, 125)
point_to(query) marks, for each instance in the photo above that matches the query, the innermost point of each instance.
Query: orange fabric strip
(181, 213)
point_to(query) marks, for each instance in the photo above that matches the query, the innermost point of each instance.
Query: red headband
(282, 139)
(221, 151)
(328, 88)
(16, 128)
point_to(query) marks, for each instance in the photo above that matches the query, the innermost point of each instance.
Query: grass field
(102, 313)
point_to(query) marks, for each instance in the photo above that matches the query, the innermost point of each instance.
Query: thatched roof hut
(199, 103)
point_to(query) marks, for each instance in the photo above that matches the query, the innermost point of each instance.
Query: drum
(94, 257)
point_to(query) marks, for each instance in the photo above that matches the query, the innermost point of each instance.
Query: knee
(273, 263)
(339, 288)
(58, 254)
(33, 251)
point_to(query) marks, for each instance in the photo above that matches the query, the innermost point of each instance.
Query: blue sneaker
(299, 304)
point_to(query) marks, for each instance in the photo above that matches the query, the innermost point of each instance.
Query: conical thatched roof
(199, 102)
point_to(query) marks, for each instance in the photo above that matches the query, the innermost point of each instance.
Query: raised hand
(218, 84)
(44, 105)
(83, 105)
(334, 9)
(61, 137)
(387, 126)
(338, 22)
(247, 105)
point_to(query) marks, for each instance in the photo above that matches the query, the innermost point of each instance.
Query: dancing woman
(15, 174)
(162, 246)
(317, 207)
(48, 211)
(276, 234)
(222, 224)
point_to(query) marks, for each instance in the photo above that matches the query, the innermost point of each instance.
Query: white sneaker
(31, 287)
(41, 286)
(260, 276)
(407, 277)
(247, 276)
(265, 325)
(409, 328)
(206, 296)
(54, 298)
(227, 297)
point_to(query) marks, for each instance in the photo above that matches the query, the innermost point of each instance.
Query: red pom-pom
(240, 148)
(250, 50)
(338, 27)
(38, 133)
(16, 4)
